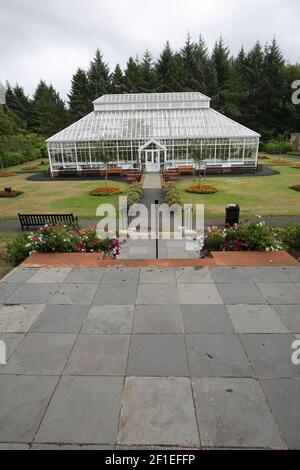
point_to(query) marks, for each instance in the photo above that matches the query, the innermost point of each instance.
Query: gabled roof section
(187, 119)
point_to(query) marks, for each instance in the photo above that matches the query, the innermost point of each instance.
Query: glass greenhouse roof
(187, 121)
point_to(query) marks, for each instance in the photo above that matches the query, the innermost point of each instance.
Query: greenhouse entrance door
(152, 161)
(152, 155)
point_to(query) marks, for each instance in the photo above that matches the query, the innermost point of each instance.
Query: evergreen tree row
(253, 87)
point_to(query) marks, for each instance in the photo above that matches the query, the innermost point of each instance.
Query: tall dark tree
(147, 75)
(132, 75)
(49, 112)
(98, 76)
(193, 63)
(19, 104)
(79, 97)
(118, 84)
(167, 68)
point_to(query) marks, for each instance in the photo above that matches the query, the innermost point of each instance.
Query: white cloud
(50, 40)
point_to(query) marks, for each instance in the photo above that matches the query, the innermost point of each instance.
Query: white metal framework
(155, 128)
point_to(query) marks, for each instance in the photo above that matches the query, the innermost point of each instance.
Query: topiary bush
(172, 193)
(134, 193)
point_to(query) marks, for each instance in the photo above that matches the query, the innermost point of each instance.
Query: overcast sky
(51, 39)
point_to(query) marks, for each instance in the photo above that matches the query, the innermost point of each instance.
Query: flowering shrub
(250, 236)
(106, 190)
(11, 193)
(201, 189)
(295, 187)
(65, 239)
(7, 173)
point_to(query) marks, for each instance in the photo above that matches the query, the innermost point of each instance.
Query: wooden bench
(186, 170)
(39, 220)
(133, 176)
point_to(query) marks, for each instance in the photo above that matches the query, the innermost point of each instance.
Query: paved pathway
(13, 225)
(129, 357)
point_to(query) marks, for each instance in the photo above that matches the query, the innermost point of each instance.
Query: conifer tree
(98, 76)
(118, 84)
(79, 96)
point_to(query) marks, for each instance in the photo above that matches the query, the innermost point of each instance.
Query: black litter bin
(232, 214)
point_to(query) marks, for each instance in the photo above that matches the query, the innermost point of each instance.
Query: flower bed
(295, 187)
(279, 160)
(201, 189)
(11, 193)
(7, 173)
(297, 165)
(106, 190)
(250, 236)
(61, 238)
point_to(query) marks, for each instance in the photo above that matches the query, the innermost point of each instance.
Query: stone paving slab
(283, 398)
(40, 354)
(270, 354)
(83, 351)
(255, 319)
(199, 294)
(206, 319)
(234, 413)
(96, 354)
(215, 355)
(157, 355)
(290, 315)
(19, 318)
(50, 275)
(85, 276)
(157, 319)
(116, 294)
(83, 410)
(60, 319)
(109, 319)
(158, 411)
(23, 403)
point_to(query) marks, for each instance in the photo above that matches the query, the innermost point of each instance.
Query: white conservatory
(152, 131)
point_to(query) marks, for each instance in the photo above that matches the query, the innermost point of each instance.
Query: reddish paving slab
(229, 258)
(253, 258)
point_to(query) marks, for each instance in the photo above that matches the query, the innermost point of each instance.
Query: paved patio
(194, 357)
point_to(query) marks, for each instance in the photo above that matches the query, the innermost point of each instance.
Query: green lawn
(55, 196)
(256, 195)
(33, 162)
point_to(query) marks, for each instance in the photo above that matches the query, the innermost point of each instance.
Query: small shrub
(106, 190)
(17, 250)
(61, 239)
(202, 189)
(250, 236)
(289, 235)
(278, 147)
(11, 193)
